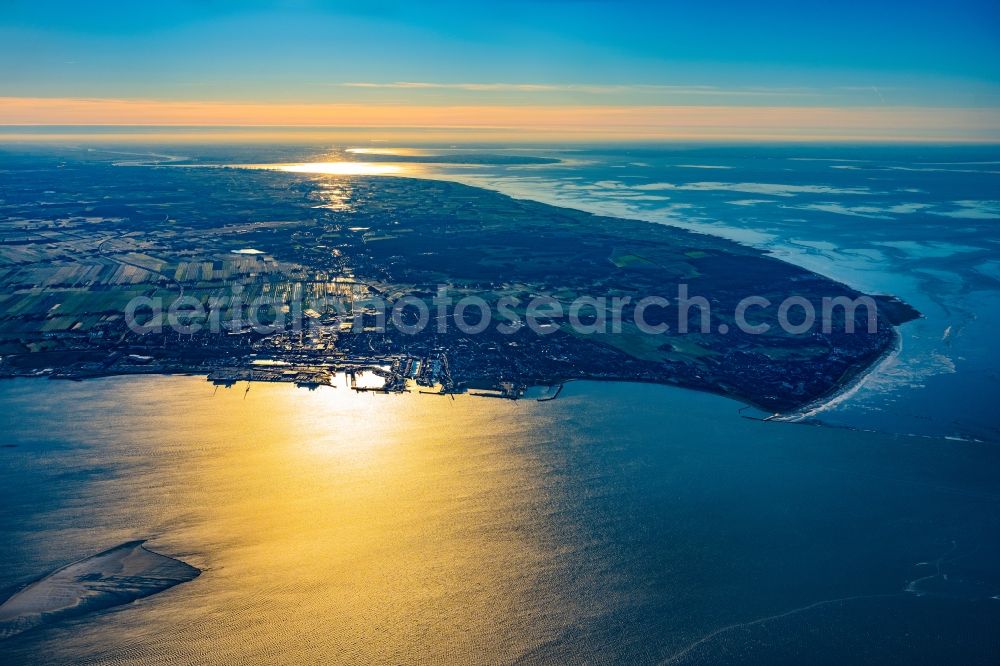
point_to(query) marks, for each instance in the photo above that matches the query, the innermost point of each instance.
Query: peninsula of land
(81, 239)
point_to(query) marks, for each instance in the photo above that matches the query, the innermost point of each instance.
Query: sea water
(619, 522)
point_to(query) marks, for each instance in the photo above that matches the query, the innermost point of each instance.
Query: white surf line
(744, 625)
(848, 391)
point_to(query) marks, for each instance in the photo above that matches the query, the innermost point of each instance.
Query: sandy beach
(116, 576)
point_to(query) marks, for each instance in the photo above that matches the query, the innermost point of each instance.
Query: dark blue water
(620, 523)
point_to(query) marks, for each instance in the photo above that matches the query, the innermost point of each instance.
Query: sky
(557, 68)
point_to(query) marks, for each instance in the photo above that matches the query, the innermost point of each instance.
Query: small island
(114, 577)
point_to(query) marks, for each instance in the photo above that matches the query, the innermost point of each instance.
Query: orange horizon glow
(548, 121)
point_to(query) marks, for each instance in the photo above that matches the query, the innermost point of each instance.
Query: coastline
(849, 388)
(474, 387)
(731, 382)
(843, 391)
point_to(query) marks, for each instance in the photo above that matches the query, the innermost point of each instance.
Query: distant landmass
(81, 238)
(464, 157)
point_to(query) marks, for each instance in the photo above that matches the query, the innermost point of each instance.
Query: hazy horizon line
(553, 122)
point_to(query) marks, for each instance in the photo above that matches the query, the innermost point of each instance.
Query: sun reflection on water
(337, 195)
